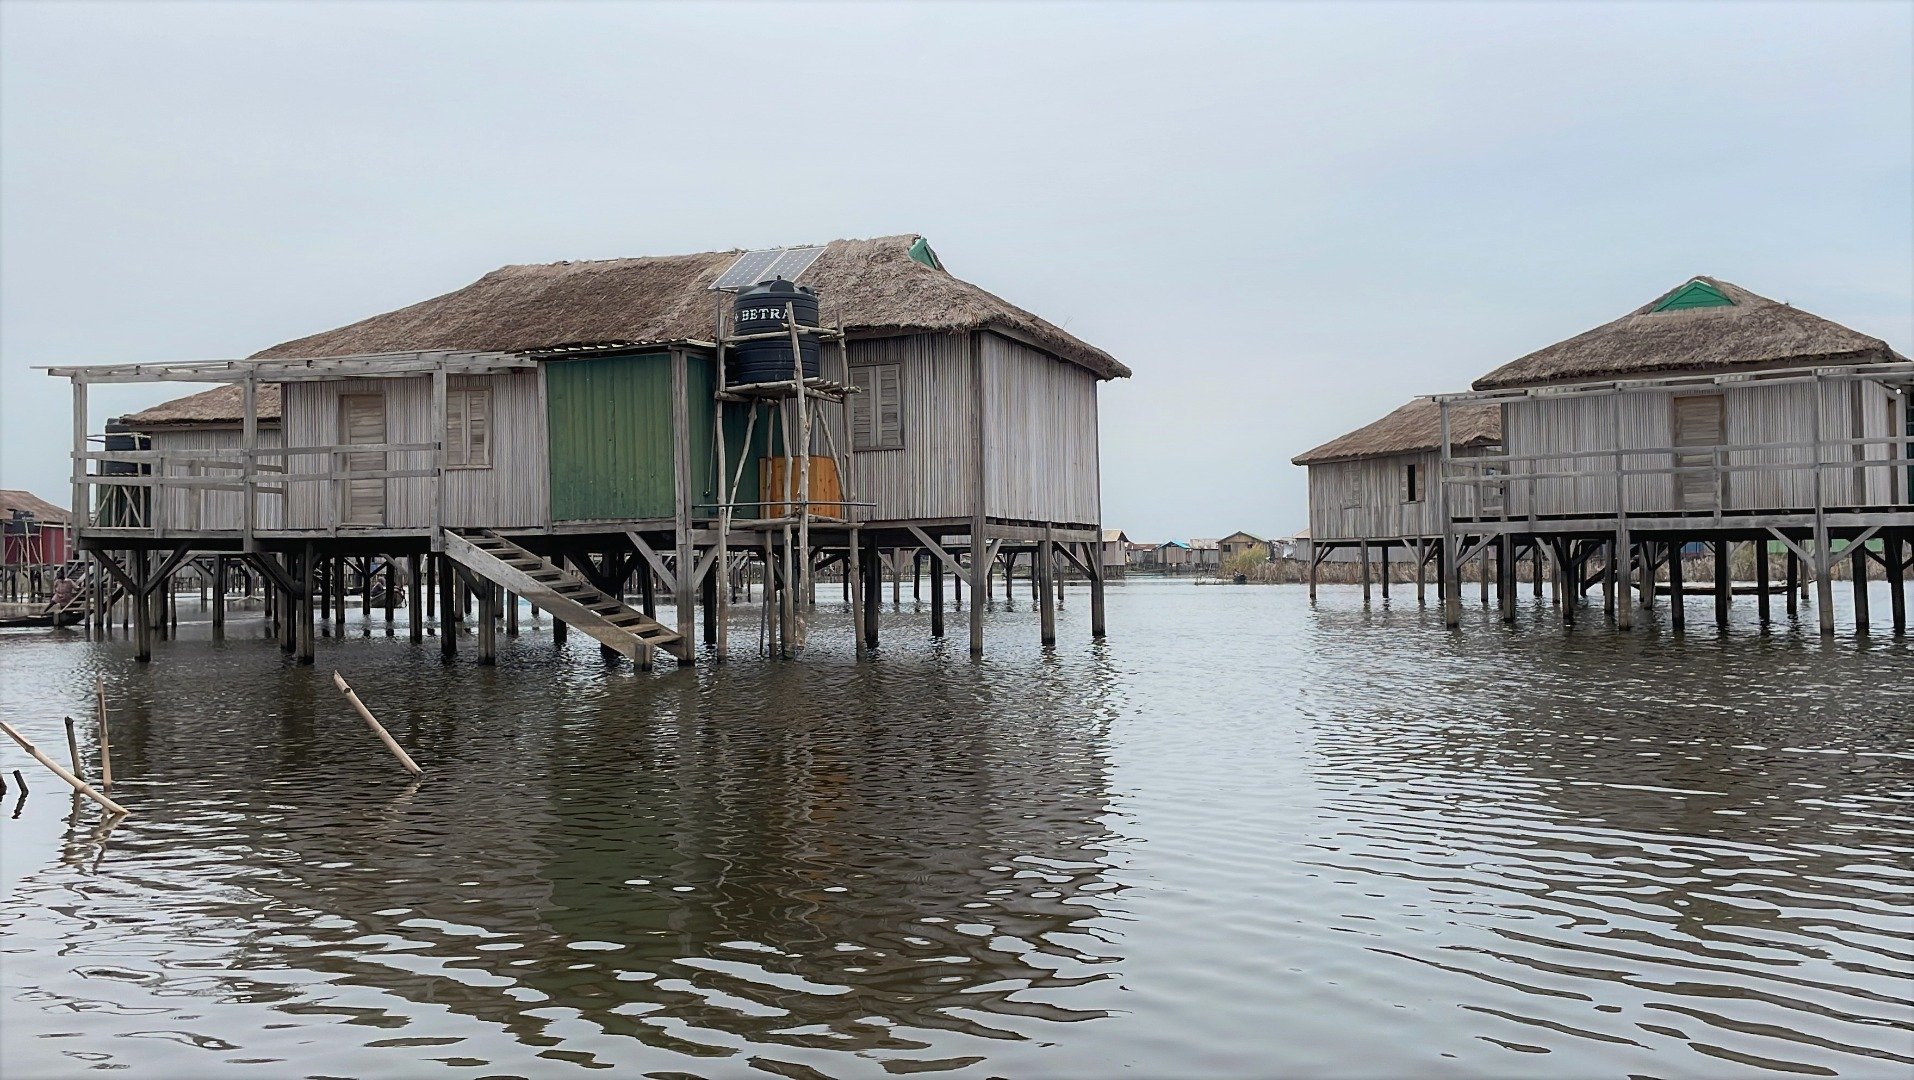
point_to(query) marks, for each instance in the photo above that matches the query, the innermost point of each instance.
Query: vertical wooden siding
(509, 494)
(1040, 435)
(1363, 499)
(1752, 414)
(934, 473)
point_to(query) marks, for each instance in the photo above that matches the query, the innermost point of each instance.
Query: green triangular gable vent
(921, 252)
(1695, 294)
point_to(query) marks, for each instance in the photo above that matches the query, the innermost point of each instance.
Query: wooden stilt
(487, 623)
(1895, 548)
(365, 592)
(874, 587)
(1422, 573)
(1764, 608)
(415, 624)
(219, 596)
(1823, 577)
(511, 614)
(391, 593)
(1363, 552)
(1793, 583)
(1505, 562)
(1043, 564)
(448, 608)
(1677, 598)
(1450, 575)
(1858, 563)
(143, 623)
(936, 597)
(1384, 568)
(308, 568)
(1723, 589)
(854, 581)
(1098, 572)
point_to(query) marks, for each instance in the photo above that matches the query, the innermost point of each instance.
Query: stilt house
(1709, 414)
(589, 411)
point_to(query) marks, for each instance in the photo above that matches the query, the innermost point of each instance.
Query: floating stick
(79, 785)
(106, 746)
(378, 729)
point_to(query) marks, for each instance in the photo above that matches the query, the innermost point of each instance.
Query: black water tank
(760, 309)
(119, 437)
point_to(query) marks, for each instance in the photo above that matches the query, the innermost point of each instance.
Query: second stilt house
(1374, 488)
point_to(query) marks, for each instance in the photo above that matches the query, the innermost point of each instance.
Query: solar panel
(749, 269)
(755, 266)
(793, 262)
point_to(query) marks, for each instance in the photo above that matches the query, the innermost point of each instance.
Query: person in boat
(63, 591)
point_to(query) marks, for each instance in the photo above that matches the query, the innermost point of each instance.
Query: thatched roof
(870, 285)
(1416, 428)
(220, 405)
(1749, 331)
(12, 499)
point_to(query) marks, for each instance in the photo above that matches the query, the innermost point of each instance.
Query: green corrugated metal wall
(610, 420)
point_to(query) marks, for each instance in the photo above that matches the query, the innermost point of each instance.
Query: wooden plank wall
(510, 494)
(1364, 499)
(1751, 414)
(1040, 435)
(185, 511)
(934, 474)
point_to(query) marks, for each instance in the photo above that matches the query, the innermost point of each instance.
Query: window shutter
(455, 428)
(890, 411)
(863, 408)
(478, 427)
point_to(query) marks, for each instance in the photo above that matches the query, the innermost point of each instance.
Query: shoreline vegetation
(1402, 570)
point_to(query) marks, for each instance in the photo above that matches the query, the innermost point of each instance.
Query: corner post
(979, 562)
(681, 505)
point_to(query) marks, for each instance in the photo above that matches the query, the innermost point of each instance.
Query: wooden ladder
(563, 595)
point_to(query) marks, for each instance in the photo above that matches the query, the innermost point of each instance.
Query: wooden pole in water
(106, 744)
(414, 601)
(1677, 598)
(1044, 565)
(1384, 552)
(1363, 550)
(73, 746)
(78, 784)
(1723, 592)
(1793, 583)
(936, 597)
(448, 609)
(1895, 550)
(1859, 563)
(219, 596)
(405, 759)
(1764, 608)
(854, 584)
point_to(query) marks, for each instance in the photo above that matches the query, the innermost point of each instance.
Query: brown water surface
(1241, 838)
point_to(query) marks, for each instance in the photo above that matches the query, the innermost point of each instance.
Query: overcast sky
(1287, 218)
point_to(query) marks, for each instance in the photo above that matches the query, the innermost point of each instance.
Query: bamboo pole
(405, 759)
(106, 745)
(78, 784)
(73, 746)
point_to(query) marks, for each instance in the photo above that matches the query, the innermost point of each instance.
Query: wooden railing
(262, 471)
(1512, 480)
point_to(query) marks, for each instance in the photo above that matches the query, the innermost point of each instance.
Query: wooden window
(1411, 486)
(877, 410)
(468, 429)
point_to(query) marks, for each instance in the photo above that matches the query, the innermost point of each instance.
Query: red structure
(37, 533)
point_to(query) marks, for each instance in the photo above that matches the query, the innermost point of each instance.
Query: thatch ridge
(1755, 332)
(220, 405)
(12, 499)
(1415, 428)
(870, 285)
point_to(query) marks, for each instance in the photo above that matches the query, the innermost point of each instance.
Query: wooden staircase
(563, 595)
